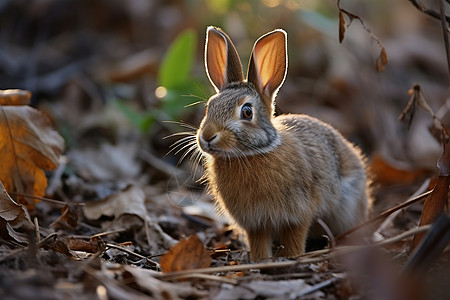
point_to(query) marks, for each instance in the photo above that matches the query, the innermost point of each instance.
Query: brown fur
(275, 176)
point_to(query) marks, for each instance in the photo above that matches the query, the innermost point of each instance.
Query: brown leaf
(435, 203)
(14, 97)
(12, 215)
(29, 145)
(341, 26)
(94, 245)
(385, 173)
(382, 59)
(187, 254)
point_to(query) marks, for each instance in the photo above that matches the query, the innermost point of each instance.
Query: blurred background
(110, 74)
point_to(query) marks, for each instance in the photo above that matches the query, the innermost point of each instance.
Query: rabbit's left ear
(222, 62)
(268, 63)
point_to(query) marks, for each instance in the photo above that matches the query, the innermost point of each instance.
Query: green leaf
(175, 69)
(137, 119)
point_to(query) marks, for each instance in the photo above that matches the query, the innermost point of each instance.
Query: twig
(328, 232)
(153, 263)
(17, 251)
(384, 214)
(390, 218)
(208, 277)
(313, 288)
(445, 32)
(45, 199)
(339, 251)
(428, 11)
(100, 234)
(382, 58)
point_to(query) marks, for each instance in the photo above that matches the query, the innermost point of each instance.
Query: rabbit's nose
(209, 138)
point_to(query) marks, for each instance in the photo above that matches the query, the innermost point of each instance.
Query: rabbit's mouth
(214, 149)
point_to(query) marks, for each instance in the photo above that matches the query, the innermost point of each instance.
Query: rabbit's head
(237, 120)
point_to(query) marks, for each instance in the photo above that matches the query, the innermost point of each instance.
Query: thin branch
(384, 214)
(428, 11)
(151, 262)
(339, 251)
(445, 32)
(382, 59)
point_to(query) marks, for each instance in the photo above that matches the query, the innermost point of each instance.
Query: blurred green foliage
(177, 88)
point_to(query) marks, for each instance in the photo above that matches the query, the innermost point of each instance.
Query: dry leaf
(127, 201)
(94, 245)
(341, 26)
(387, 174)
(187, 254)
(14, 97)
(12, 215)
(435, 203)
(382, 59)
(29, 145)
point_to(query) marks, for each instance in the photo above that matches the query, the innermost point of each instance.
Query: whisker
(179, 145)
(189, 144)
(193, 147)
(180, 133)
(183, 124)
(182, 141)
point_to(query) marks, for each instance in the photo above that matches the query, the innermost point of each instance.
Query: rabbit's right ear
(222, 62)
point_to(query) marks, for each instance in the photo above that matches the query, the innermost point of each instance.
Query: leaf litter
(117, 223)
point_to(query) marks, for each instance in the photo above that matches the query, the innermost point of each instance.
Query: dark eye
(246, 112)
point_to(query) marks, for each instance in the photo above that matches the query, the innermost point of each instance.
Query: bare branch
(445, 32)
(428, 11)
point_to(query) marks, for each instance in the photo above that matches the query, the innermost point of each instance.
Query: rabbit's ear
(222, 62)
(268, 63)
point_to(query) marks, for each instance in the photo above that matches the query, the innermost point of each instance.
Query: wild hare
(274, 175)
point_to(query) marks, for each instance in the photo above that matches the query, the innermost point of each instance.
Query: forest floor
(95, 205)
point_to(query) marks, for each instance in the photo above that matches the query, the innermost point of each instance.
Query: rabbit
(274, 176)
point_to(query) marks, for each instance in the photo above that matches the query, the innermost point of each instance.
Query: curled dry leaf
(95, 244)
(382, 59)
(28, 145)
(12, 215)
(435, 203)
(14, 97)
(341, 26)
(187, 254)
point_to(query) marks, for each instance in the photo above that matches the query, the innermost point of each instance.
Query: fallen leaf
(28, 146)
(386, 173)
(435, 202)
(159, 289)
(14, 97)
(127, 201)
(69, 216)
(187, 254)
(94, 245)
(128, 209)
(13, 215)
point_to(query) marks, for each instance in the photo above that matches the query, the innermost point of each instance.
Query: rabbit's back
(337, 168)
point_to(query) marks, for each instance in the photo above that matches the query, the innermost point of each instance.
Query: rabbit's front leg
(293, 239)
(260, 242)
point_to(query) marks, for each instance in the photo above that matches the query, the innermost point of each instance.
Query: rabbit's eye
(246, 112)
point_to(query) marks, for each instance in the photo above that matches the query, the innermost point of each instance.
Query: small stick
(133, 253)
(313, 288)
(385, 214)
(339, 251)
(445, 32)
